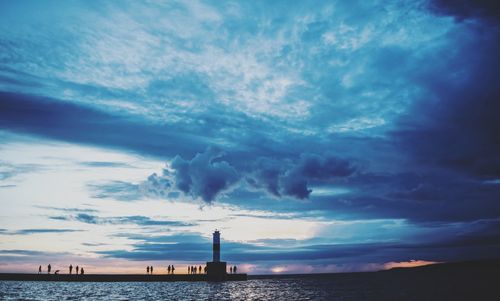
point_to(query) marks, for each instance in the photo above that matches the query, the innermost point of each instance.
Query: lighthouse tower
(216, 269)
(216, 246)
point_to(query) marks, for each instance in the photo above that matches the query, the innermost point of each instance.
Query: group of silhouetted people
(49, 268)
(149, 269)
(76, 269)
(170, 269)
(195, 270)
(233, 269)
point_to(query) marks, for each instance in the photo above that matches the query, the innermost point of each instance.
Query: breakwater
(117, 277)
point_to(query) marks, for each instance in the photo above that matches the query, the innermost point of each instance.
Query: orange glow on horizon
(407, 264)
(92, 267)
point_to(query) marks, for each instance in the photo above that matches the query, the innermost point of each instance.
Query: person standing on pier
(49, 268)
(82, 271)
(39, 269)
(234, 269)
(70, 269)
(173, 269)
(147, 270)
(76, 270)
(168, 269)
(151, 269)
(230, 270)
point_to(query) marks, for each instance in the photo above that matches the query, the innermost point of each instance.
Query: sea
(254, 289)
(352, 286)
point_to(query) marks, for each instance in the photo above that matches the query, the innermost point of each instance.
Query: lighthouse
(216, 269)
(216, 246)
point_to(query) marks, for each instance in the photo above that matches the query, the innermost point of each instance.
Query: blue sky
(319, 136)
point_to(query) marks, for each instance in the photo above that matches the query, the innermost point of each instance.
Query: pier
(117, 277)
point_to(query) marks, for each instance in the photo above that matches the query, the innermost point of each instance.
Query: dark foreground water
(480, 283)
(256, 289)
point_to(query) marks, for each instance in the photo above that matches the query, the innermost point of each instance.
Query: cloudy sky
(318, 136)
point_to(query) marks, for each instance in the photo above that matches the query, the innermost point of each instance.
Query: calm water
(361, 286)
(257, 289)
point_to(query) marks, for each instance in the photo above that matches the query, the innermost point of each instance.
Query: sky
(317, 136)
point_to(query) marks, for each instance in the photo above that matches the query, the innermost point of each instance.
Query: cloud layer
(329, 112)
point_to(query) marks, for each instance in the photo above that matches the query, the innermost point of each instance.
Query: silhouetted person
(205, 269)
(70, 269)
(39, 269)
(76, 270)
(151, 268)
(230, 270)
(168, 269)
(173, 269)
(49, 268)
(82, 271)
(147, 270)
(199, 269)
(234, 269)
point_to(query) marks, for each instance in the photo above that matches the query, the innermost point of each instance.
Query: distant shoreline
(481, 265)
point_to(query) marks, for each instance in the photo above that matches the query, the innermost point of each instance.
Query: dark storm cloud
(205, 176)
(422, 198)
(456, 125)
(208, 174)
(82, 124)
(465, 9)
(284, 178)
